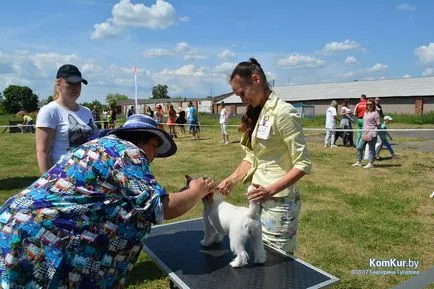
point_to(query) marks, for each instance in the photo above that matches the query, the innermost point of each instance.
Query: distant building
(405, 95)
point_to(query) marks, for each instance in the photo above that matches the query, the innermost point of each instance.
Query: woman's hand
(203, 186)
(259, 194)
(226, 186)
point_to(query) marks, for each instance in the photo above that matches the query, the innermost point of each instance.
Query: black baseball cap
(70, 73)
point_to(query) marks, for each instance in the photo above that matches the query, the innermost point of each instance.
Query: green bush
(2, 109)
(427, 118)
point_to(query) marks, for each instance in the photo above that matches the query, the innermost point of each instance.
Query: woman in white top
(63, 123)
(346, 123)
(223, 124)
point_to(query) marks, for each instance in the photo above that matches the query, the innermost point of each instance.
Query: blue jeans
(361, 147)
(359, 129)
(388, 146)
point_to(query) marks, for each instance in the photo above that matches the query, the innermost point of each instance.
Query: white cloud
(194, 56)
(428, 72)
(90, 68)
(156, 52)
(126, 14)
(378, 67)
(36, 66)
(226, 55)
(350, 74)
(159, 15)
(225, 67)
(351, 60)
(184, 18)
(182, 47)
(296, 60)
(186, 70)
(406, 75)
(406, 7)
(333, 47)
(425, 53)
(46, 61)
(105, 30)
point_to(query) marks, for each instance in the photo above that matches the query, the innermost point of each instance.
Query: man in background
(359, 111)
(379, 108)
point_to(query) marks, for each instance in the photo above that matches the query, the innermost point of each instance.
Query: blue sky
(192, 46)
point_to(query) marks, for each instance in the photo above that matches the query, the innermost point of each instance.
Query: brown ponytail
(245, 70)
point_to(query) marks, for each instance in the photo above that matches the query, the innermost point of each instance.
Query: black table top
(176, 249)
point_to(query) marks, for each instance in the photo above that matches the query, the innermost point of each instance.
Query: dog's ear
(188, 179)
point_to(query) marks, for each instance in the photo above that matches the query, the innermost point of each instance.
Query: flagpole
(135, 89)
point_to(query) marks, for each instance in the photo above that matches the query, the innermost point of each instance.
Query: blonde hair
(56, 93)
(334, 104)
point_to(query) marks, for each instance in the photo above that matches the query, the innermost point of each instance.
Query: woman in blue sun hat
(83, 223)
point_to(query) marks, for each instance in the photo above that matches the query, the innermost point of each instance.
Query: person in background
(62, 123)
(149, 111)
(159, 116)
(130, 111)
(384, 135)
(276, 155)
(104, 116)
(359, 111)
(28, 123)
(379, 107)
(83, 223)
(171, 121)
(331, 118)
(113, 117)
(109, 119)
(224, 115)
(193, 121)
(371, 122)
(346, 123)
(96, 118)
(181, 120)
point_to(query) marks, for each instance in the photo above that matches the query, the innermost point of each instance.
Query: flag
(135, 89)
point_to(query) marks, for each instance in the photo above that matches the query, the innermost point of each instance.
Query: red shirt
(360, 109)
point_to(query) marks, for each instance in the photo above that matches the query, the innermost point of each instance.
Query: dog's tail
(254, 211)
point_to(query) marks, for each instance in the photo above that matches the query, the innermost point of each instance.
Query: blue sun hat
(138, 123)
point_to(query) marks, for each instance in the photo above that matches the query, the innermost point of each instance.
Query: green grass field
(348, 215)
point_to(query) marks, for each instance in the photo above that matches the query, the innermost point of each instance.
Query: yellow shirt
(284, 146)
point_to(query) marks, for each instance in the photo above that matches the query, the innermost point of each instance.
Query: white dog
(240, 223)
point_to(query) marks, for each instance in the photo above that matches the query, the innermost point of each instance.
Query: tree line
(15, 98)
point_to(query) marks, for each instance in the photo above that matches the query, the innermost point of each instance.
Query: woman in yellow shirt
(276, 155)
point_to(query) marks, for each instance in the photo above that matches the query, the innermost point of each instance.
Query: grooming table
(175, 248)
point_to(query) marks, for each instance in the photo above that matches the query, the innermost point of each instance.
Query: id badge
(264, 129)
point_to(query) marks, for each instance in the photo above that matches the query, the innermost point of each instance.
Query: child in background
(383, 135)
(181, 120)
(223, 124)
(159, 116)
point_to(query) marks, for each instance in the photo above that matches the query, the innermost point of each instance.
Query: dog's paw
(235, 263)
(240, 260)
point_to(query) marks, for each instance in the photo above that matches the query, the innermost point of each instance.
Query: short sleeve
(291, 131)
(133, 175)
(46, 118)
(334, 111)
(377, 119)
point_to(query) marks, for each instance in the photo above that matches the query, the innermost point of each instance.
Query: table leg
(172, 285)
